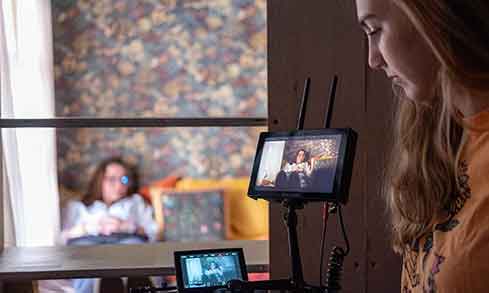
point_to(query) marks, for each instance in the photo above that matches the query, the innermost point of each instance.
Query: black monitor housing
(304, 165)
(193, 266)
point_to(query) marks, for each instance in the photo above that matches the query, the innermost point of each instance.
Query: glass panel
(209, 200)
(197, 179)
(160, 58)
(197, 152)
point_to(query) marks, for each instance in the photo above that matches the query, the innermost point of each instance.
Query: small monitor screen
(315, 164)
(302, 164)
(209, 269)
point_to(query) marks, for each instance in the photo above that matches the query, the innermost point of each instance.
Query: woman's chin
(402, 91)
(410, 92)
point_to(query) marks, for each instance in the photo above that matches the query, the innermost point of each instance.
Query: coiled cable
(335, 270)
(337, 255)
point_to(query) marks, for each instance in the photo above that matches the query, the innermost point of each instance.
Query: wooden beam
(133, 122)
(152, 259)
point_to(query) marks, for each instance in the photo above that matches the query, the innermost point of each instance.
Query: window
(189, 78)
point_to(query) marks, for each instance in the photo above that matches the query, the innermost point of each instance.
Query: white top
(132, 208)
(298, 167)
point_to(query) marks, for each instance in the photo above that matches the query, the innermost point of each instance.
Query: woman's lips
(395, 79)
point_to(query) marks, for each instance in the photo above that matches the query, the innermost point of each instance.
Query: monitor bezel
(343, 172)
(179, 272)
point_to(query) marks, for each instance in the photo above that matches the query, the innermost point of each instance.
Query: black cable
(345, 236)
(323, 237)
(335, 270)
(337, 256)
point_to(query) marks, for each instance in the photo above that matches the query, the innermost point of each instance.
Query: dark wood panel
(318, 39)
(384, 266)
(18, 287)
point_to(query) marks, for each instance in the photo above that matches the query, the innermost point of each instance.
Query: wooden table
(63, 262)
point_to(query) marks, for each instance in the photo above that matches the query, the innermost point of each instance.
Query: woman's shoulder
(75, 204)
(476, 128)
(477, 142)
(73, 208)
(80, 206)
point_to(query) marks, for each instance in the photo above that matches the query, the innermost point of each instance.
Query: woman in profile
(111, 212)
(436, 53)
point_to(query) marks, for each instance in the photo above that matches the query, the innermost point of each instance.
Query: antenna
(332, 94)
(302, 109)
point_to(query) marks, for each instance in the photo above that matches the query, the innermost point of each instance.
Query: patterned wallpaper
(155, 58)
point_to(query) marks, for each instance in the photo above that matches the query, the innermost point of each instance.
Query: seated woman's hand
(109, 225)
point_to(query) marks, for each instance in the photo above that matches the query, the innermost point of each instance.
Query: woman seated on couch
(111, 212)
(296, 174)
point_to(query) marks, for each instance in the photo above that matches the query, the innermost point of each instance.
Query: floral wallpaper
(149, 58)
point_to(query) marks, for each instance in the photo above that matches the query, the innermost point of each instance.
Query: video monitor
(208, 270)
(311, 165)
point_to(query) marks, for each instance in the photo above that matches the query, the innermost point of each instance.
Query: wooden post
(2, 191)
(2, 231)
(319, 39)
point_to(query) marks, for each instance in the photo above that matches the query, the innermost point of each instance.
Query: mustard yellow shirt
(454, 257)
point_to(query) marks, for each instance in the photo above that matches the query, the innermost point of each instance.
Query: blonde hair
(421, 180)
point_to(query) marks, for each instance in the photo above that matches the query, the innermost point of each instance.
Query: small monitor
(310, 165)
(208, 270)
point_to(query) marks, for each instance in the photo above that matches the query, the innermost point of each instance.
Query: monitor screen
(310, 163)
(209, 269)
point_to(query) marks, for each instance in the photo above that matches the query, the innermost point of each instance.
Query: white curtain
(27, 91)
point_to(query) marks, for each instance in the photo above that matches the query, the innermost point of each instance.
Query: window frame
(132, 122)
(6, 123)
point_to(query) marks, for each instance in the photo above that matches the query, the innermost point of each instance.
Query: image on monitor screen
(299, 164)
(210, 269)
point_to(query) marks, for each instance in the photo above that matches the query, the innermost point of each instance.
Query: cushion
(167, 182)
(198, 215)
(248, 217)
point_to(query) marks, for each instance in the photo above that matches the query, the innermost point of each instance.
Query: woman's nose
(375, 58)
